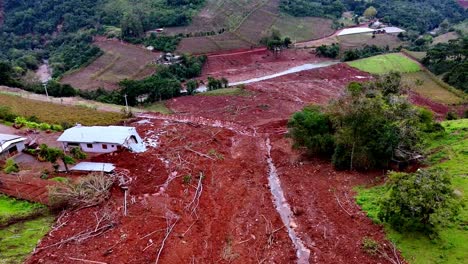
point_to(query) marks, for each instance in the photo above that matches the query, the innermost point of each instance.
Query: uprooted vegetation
(86, 192)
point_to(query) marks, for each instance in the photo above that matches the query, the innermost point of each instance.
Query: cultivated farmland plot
(245, 22)
(120, 61)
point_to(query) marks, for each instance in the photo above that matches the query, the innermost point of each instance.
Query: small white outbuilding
(102, 139)
(10, 145)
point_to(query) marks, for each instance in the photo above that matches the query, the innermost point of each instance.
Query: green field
(225, 91)
(17, 241)
(11, 208)
(158, 108)
(423, 84)
(449, 151)
(56, 113)
(386, 63)
(22, 225)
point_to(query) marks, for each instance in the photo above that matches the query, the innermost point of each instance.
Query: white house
(393, 30)
(10, 145)
(102, 139)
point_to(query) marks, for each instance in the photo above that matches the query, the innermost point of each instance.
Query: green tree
(52, 155)
(420, 201)
(312, 129)
(370, 12)
(131, 26)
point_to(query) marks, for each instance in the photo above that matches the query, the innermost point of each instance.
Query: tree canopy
(451, 60)
(420, 201)
(369, 127)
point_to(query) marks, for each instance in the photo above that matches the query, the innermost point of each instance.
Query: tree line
(62, 31)
(417, 15)
(451, 61)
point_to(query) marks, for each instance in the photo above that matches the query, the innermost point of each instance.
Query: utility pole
(45, 88)
(126, 103)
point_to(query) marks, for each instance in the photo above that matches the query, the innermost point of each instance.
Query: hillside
(241, 25)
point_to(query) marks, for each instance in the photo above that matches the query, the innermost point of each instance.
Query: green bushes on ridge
(367, 128)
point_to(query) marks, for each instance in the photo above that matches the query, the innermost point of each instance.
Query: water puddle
(283, 208)
(304, 67)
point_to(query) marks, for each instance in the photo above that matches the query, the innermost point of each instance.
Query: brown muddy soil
(244, 65)
(272, 100)
(229, 225)
(223, 138)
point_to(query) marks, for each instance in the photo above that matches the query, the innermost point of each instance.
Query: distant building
(10, 145)
(168, 59)
(356, 30)
(393, 30)
(376, 25)
(102, 139)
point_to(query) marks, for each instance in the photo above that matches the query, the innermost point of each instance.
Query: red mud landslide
(231, 223)
(30, 189)
(330, 223)
(241, 66)
(275, 99)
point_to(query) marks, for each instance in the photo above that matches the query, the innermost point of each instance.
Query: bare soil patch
(120, 61)
(273, 100)
(331, 224)
(229, 223)
(244, 65)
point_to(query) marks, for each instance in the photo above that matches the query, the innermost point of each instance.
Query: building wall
(98, 147)
(5, 153)
(94, 147)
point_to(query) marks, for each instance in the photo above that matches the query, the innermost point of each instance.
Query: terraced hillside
(120, 61)
(243, 23)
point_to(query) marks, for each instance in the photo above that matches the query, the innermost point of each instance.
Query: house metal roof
(98, 134)
(7, 140)
(392, 30)
(93, 166)
(357, 30)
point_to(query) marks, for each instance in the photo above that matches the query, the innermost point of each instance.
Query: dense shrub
(365, 52)
(331, 51)
(77, 153)
(162, 43)
(10, 166)
(368, 127)
(450, 59)
(312, 129)
(420, 201)
(6, 114)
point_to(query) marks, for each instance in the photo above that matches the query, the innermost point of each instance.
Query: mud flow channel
(284, 209)
(304, 67)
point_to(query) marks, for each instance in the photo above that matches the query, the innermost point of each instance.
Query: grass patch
(449, 151)
(158, 108)
(18, 240)
(386, 63)
(423, 84)
(419, 55)
(56, 113)
(13, 209)
(303, 28)
(226, 91)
